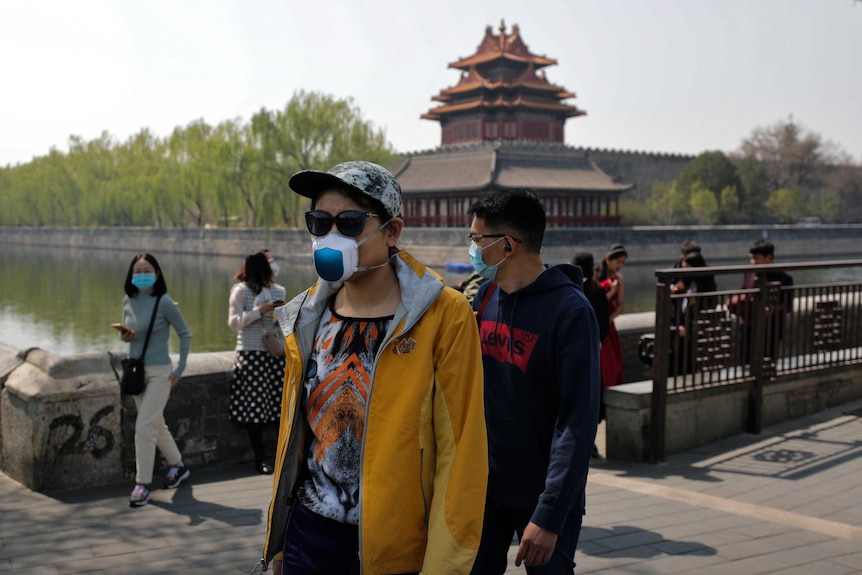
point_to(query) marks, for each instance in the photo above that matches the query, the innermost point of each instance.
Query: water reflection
(64, 300)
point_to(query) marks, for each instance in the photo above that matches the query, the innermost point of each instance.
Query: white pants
(150, 428)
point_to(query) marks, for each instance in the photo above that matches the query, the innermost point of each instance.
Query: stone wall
(437, 246)
(712, 413)
(642, 169)
(63, 423)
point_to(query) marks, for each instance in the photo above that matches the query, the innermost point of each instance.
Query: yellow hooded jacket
(424, 464)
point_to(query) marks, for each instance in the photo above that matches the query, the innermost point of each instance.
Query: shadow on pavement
(660, 470)
(792, 455)
(183, 502)
(630, 541)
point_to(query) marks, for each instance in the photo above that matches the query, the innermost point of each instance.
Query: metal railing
(749, 337)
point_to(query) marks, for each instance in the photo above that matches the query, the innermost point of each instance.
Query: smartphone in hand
(123, 329)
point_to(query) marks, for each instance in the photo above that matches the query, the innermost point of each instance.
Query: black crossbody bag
(132, 381)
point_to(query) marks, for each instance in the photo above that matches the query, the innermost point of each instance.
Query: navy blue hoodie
(540, 350)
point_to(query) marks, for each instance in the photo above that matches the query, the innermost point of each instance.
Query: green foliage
(232, 174)
(826, 205)
(634, 213)
(668, 204)
(728, 205)
(703, 204)
(712, 169)
(755, 187)
(785, 205)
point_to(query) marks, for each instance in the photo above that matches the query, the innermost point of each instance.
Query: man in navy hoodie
(540, 350)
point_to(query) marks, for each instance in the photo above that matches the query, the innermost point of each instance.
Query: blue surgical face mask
(486, 271)
(336, 256)
(144, 281)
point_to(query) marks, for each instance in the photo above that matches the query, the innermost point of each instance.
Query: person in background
(143, 286)
(687, 247)
(612, 282)
(540, 350)
(593, 290)
(273, 265)
(255, 394)
(683, 350)
(762, 252)
(598, 299)
(383, 455)
(470, 286)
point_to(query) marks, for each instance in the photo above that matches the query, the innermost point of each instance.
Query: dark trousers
(317, 545)
(262, 450)
(502, 522)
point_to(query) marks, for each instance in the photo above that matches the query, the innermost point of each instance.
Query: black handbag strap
(150, 329)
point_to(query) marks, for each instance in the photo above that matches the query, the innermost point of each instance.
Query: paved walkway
(788, 501)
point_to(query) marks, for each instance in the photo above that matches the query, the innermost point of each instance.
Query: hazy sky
(659, 75)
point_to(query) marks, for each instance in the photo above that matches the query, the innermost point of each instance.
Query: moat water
(64, 300)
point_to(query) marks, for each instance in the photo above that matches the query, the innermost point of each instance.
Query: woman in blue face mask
(146, 293)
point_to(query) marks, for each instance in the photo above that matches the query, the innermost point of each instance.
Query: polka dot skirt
(255, 394)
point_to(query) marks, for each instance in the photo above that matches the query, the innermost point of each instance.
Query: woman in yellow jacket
(382, 456)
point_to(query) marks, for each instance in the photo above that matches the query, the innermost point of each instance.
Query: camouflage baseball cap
(366, 178)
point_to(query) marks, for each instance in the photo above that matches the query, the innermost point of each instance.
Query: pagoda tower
(503, 94)
(502, 128)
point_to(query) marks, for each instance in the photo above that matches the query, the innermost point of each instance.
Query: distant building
(502, 127)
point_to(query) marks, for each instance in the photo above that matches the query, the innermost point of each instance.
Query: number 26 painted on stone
(99, 440)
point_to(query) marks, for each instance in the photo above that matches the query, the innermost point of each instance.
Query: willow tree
(233, 172)
(313, 131)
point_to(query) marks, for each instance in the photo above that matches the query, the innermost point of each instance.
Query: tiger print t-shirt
(335, 392)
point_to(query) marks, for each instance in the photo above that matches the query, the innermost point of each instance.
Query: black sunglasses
(349, 222)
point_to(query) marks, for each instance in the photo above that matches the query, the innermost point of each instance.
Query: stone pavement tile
(689, 520)
(851, 516)
(669, 547)
(764, 529)
(628, 540)
(771, 491)
(801, 537)
(805, 554)
(818, 568)
(747, 566)
(593, 533)
(747, 549)
(678, 563)
(616, 560)
(19, 546)
(43, 569)
(825, 506)
(227, 561)
(843, 547)
(853, 560)
(616, 514)
(591, 548)
(136, 564)
(598, 494)
(711, 522)
(669, 520)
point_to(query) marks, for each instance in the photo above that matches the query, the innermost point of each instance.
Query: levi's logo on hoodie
(513, 347)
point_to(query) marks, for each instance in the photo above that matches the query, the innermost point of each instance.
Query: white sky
(660, 75)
